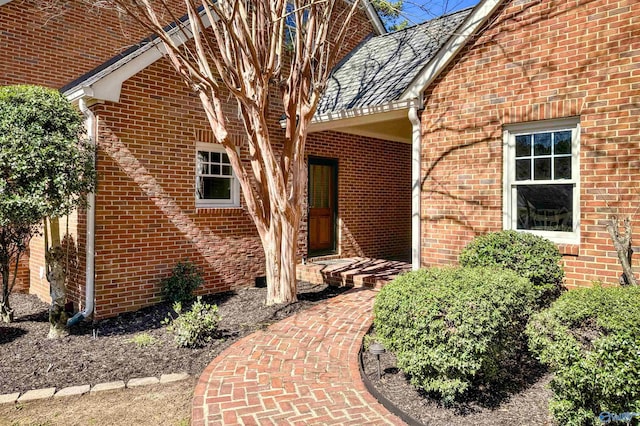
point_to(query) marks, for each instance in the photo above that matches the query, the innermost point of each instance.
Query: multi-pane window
(216, 185)
(541, 179)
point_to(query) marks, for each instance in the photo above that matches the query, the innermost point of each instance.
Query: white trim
(107, 84)
(374, 18)
(451, 48)
(3, 2)
(234, 201)
(361, 115)
(416, 187)
(509, 204)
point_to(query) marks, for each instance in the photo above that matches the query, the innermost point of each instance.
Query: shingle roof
(382, 67)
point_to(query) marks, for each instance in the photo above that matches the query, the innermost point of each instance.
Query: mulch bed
(520, 398)
(105, 351)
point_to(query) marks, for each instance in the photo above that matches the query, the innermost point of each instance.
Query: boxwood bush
(590, 338)
(451, 328)
(530, 256)
(185, 278)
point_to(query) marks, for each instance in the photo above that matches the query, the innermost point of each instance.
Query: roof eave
(106, 85)
(480, 14)
(360, 115)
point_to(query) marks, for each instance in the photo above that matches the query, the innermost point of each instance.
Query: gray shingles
(381, 68)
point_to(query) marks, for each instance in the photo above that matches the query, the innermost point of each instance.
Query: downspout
(91, 222)
(415, 184)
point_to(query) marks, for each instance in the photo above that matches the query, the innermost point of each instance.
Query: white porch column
(415, 185)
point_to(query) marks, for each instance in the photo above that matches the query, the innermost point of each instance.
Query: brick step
(351, 272)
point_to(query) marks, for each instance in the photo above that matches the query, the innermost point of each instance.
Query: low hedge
(530, 256)
(451, 328)
(590, 338)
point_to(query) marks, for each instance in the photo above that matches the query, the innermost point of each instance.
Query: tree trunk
(57, 277)
(280, 245)
(622, 244)
(6, 312)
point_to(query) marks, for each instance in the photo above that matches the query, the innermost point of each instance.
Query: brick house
(527, 118)
(153, 207)
(419, 144)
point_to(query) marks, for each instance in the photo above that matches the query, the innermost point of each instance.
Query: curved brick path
(302, 370)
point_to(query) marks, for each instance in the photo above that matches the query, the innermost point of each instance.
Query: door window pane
(320, 181)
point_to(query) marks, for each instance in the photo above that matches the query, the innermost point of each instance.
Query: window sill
(218, 209)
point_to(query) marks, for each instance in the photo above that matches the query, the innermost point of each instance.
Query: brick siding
(146, 218)
(536, 60)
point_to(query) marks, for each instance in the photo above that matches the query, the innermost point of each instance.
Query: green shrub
(452, 328)
(194, 327)
(184, 280)
(530, 256)
(590, 338)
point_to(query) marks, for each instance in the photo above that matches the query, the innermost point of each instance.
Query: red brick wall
(53, 43)
(146, 219)
(536, 60)
(374, 194)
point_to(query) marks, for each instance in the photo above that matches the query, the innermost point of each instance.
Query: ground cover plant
(530, 256)
(452, 329)
(590, 338)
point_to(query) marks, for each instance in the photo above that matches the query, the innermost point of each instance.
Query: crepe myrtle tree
(257, 50)
(46, 167)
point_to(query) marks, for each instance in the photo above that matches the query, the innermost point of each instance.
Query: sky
(418, 11)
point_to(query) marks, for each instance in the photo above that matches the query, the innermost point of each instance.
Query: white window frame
(510, 199)
(234, 200)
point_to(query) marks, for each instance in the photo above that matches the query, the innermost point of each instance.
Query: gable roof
(381, 68)
(105, 81)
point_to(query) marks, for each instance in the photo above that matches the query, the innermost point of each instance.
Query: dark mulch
(521, 397)
(105, 351)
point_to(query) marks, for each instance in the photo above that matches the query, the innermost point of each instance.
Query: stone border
(46, 393)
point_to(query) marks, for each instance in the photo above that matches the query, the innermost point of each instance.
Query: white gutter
(91, 222)
(415, 186)
(359, 115)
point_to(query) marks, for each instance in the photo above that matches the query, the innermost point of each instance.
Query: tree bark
(622, 245)
(280, 245)
(57, 277)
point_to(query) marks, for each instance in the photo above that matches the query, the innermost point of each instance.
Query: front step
(351, 272)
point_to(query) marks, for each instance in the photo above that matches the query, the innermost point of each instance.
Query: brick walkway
(300, 371)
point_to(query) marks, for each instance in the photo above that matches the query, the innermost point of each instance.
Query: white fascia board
(107, 85)
(374, 17)
(361, 116)
(3, 2)
(451, 48)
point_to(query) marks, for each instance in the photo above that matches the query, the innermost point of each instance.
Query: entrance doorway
(323, 196)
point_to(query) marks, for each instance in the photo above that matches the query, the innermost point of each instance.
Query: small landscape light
(377, 349)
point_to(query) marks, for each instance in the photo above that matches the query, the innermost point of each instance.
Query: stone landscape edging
(46, 393)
